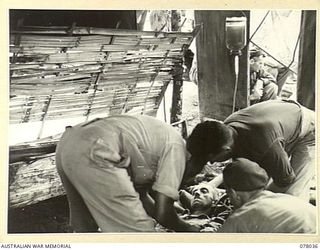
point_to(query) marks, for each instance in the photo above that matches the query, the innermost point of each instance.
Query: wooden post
(141, 18)
(216, 66)
(176, 108)
(45, 112)
(307, 59)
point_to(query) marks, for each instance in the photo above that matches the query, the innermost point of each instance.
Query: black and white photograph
(162, 121)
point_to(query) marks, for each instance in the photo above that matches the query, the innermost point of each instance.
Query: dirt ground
(51, 216)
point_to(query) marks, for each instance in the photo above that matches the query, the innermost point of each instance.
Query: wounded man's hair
(207, 137)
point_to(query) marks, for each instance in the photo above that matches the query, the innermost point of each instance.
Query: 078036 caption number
(313, 245)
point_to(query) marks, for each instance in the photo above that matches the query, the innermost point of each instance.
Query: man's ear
(226, 148)
(232, 193)
(235, 198)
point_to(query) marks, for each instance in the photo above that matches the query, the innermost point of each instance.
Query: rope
(294, 52)
(273, 57)
(264, 18)
(293, 56)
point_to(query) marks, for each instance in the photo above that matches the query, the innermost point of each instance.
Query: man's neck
(247, 196)
(199, 211)
(234, 136)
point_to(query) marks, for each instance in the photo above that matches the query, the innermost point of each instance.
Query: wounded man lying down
(203, 205)
(209, 207)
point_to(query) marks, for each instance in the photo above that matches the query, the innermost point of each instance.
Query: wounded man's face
(203, 196)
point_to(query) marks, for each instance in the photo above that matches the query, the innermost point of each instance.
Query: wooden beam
(307, 60)
(43, 119)
(216, 66)
(98, 31)
(176, 106)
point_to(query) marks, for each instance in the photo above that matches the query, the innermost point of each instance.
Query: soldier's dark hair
(256, 53)
(208, 137)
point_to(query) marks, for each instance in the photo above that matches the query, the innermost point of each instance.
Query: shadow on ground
(50, 216)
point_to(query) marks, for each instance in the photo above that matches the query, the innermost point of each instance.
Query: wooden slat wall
(55, 74)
